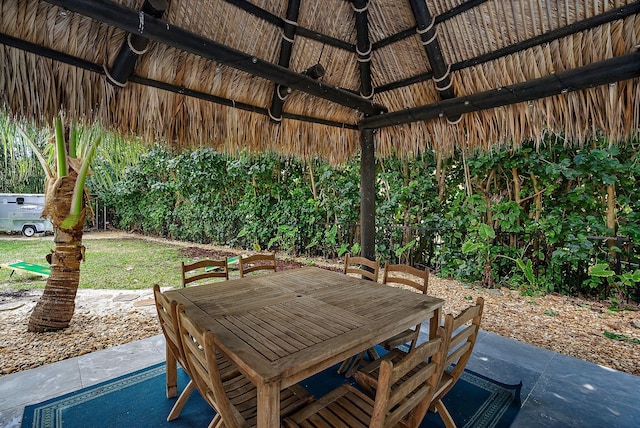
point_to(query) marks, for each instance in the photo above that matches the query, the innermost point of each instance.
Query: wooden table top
(286, 326)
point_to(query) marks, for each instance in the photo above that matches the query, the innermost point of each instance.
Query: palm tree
(66, 204)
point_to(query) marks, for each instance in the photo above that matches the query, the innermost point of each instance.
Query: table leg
(172, 373)
(435, 323)
(269, 405)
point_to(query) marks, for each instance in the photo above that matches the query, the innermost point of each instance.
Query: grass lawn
(110, 263)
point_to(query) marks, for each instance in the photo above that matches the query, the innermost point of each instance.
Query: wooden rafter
(286, 45)
(132, 47)
(117, 15)
(426, 28)
(594, 21)
(363, 47)
(96, 68)
(301, 31)
(600, 73)
(404, 34)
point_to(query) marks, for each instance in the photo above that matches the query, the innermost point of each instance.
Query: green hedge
(268, 202)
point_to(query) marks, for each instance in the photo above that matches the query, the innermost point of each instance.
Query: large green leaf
(601, 270)
(471, 246)
(486, 232)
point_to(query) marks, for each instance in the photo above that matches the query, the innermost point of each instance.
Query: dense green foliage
(533, 218)
(545, 237)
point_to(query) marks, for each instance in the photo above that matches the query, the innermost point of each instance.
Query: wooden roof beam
(462, 7)
(363, 47)
(132, 47)
(280, 92)
(117, 15)
(98, 69)
(600, 73)
(301, 31)
(441, 71)
(595, 21)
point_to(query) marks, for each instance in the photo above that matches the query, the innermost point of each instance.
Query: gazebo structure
(328, 78)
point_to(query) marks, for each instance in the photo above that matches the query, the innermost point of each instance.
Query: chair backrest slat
(462, 340)
(362, 266)
(462, 335)
(204, 269)
(406, 275)
(257, 262)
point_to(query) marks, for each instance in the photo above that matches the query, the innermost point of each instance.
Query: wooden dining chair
(167, 315)
(204, 269)
(418, 279)
(461, 333)
(362, 266)
(234, 399)
(257, 262)
(365, 269)
(169, 324)
(402, 398)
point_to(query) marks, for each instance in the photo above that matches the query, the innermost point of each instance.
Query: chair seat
(367, 376)
(445, 381)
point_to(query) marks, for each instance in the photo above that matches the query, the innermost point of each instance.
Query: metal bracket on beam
(133, 46)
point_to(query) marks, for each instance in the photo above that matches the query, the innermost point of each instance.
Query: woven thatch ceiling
(434, 73)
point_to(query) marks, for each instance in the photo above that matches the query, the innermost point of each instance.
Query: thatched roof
(434, 73)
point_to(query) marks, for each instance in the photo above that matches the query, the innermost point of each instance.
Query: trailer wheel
(28, 231)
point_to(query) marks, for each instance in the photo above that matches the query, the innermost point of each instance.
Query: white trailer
(20, 212)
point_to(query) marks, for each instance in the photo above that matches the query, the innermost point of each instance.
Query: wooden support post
(367, 195)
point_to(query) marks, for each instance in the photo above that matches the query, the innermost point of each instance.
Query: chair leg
(356, 363)
(373, 353)
(216, 422)
(350, 365)
(445, 415)
(171, 374)
(182, 400)
(345, 365)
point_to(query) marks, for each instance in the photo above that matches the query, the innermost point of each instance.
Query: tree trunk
(313, 181)
(611, 209)
(55, 308)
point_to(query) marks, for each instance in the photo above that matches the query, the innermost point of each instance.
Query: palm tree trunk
(55, 308)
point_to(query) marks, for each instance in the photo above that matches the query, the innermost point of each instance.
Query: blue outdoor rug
(138, 400)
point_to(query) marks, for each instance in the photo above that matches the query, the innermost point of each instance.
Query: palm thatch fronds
(185, 91)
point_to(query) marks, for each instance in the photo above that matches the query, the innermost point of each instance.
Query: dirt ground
(584, 329)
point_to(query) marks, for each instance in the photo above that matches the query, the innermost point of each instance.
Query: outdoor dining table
(280, 328)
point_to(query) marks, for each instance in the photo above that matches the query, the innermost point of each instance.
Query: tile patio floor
(557, 391)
